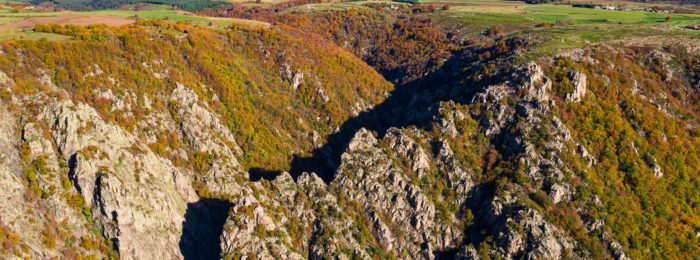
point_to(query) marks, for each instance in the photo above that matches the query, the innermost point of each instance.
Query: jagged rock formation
(375, 201)
(148, 166)
(579, 81)
(129, 193)
(469, 162)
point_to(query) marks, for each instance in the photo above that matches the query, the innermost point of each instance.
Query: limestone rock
(134, 200)
(579, 81)
(45, 79)
(204, 133)
(656, 168)
(322, 95)
(559, 192)
(6, 80)
(297, 80)
(363, 139)
(581, 150)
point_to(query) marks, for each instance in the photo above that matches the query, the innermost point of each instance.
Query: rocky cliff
(483, 157)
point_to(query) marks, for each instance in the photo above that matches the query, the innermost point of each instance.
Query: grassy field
(563, 26)
(481, 17)
(175, 15)
(325, 7)
(11, 20)
(555, 13)
(7, 16)
(559, 26)
(151, 14)
(25, 34)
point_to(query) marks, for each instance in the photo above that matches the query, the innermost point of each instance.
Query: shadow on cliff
(257, 174)
(202, 229)
(414, 104)
(392, 112)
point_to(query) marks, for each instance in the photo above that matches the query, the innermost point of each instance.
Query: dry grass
(68, 18)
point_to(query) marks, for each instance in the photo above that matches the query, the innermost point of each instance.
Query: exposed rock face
(204, 133)
(579, 81)
(517, 231)
(467, 252)
(368, 177)
(45, 79)
(656, 168)
(5, 80)
(494, 97)
(245, 233)
(460, 180)
(483, 174)
(448, 116)
(535, 238)
(376, 200)
(580, 149)
(16, 212)
(560, 192)
(374, 196)
(132, 196)
(545, 241)
(297, 80)
(406, 193)
(91, 174)
(135, 198)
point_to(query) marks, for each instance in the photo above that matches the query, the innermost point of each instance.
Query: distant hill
(82, 5)
(691, 2)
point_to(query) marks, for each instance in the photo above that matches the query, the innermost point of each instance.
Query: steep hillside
(169, 140)
(263, 84)
(401, 46)
(588, 159)
(639, 124)
(120, 128)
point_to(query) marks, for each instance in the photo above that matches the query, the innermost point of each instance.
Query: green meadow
(151, 14)
(9, 16)
(563, 26)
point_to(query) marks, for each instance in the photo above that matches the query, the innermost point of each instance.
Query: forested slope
(151, 100)
(164, 140)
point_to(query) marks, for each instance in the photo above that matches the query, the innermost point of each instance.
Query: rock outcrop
(132, 193)
(489, 165)
(579, 81)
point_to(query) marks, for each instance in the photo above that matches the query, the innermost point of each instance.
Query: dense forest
(401, 46)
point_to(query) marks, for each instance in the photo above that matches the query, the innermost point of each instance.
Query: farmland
(19, 24)
(520, 15)
(557, 26)
(564, 26)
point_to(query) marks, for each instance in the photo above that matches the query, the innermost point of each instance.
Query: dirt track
(77, 19)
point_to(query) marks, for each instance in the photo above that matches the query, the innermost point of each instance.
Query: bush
(201, 161)
(545, 25)
(495, 31)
